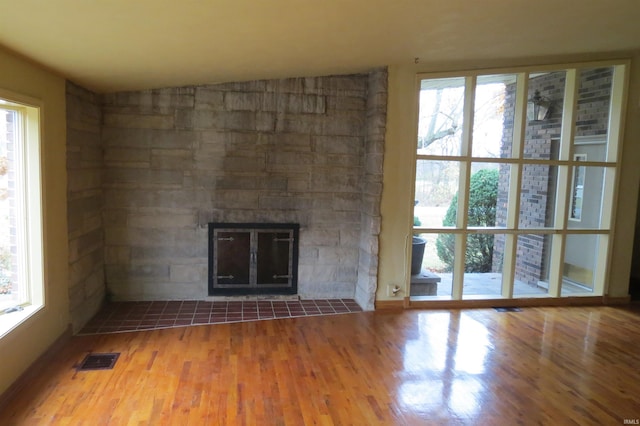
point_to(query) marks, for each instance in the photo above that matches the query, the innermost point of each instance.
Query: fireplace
(252, 258)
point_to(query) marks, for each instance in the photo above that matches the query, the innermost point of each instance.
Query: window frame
(517, 161)
(29, 209)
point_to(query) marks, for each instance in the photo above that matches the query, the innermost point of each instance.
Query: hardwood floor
(577, 365)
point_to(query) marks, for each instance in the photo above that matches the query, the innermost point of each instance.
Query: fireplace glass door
(253, 259)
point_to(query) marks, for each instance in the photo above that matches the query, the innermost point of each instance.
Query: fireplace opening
(253, 258)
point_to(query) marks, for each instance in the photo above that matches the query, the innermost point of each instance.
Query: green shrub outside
(483, 195)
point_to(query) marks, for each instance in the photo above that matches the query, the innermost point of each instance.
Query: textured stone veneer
(84, 205)
(301, 150)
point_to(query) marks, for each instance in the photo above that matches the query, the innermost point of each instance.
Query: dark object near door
(417, 253)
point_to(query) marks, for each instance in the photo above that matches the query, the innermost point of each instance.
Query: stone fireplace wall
(85, 203)
(301, 150)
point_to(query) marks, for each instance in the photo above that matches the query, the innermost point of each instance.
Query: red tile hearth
(135, 316)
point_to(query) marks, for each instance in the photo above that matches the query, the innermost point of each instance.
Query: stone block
(144, 177)
(280, 161)
(242, 101)
(346, 201)
(299, 183)
(317, 273)
(117, 255)
(285, 85)
(147, 138)
(352, 145)
(84, 179)
(345, 123)
(166, 220)
(173, 159)
(253, 164)
(166, 290)
(139, 121)
(188, 273)
(350, 237)
(324, 217)
(139, 156)
(284, 203)
(347, 273)
(325, 182)
(242, 86)
(288, 142)
(338, 255)
(225, 199)
(138, 273)
(207, 97)
(320, 237)
(346, 103)
(170, 252)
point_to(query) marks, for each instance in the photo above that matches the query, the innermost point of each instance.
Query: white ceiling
(110, 45)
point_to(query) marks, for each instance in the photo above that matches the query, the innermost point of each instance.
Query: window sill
(8, 322)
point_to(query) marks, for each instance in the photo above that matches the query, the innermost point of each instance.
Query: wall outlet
(393, 290)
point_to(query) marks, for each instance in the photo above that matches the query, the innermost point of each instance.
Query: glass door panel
(579, 264)
(233, 262)
(494, 112)
(483, 194)
(274, 258)
(483, 267)
(435, 278)
(592, 115)
(436, 193)
(441, 116)
(538, 196)
(532, 265)
(544, 114)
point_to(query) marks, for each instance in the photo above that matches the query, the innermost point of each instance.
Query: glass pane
(232, 257)
(483, 194)
(579, 264)
(274, 258)
(594, 104)
(538, 196)
(533, 255)
(544, 115)
(585, 203)
(493, 116)
(436, 193)
(11, 291)
(483, 266)
(434, 276)
(502, 197)
(441, 116)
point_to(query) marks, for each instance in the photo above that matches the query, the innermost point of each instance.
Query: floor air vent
(99, 362)
(507, 309)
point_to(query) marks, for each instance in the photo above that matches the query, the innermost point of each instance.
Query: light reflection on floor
(446, 359)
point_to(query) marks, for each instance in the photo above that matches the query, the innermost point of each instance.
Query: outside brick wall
(85, 203)
(538, 181)
(303, 150)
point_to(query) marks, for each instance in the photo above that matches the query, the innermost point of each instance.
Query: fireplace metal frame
(217, 289)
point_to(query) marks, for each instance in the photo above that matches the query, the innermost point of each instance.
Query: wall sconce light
(538, 107)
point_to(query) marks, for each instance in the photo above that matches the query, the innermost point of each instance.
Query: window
(512, 206)
(21, 270)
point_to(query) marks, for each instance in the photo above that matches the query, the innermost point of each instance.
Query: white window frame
(29, 209)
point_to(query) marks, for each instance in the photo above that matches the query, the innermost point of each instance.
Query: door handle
(224, 277)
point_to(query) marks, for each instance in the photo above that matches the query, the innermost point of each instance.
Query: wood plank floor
(552, 366)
